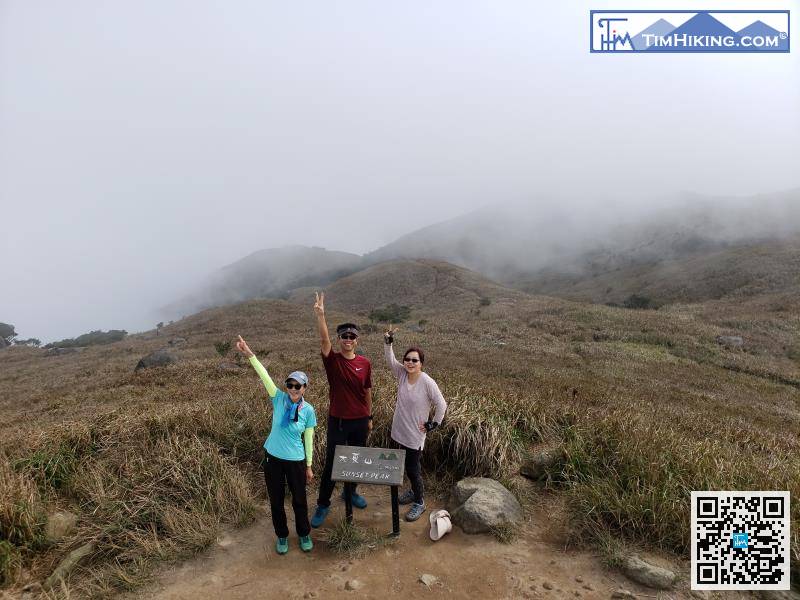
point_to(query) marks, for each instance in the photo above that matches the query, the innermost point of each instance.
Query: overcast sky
(145, 144)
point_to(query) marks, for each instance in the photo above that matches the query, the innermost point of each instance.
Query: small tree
(222, 347)
(7, 332)
(159, 326)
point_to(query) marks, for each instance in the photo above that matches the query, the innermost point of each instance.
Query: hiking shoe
(282, 545)
(319, 515)
(406, 497)
(415, 512)
(305, 543)
(357, 500)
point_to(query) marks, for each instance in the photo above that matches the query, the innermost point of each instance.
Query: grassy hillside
(646, 405)
(416, 283)
(707, 272)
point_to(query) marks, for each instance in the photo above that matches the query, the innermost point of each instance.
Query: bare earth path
(243, 564)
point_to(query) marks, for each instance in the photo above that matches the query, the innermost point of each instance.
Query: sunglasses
(294, 386)
(348, 336)
(411, 360)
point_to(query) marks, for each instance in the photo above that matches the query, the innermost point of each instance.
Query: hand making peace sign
(319, 305)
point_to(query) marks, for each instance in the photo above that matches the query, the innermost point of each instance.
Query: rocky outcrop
(730, 341)
(59, 525)
(647, 574)
(159, 358)
(479, 505)
(66, 566)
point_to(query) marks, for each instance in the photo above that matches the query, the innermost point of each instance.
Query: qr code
(740, 540)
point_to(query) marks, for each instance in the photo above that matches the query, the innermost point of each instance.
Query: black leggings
(414, 472)
(278, 473)
(342, 432)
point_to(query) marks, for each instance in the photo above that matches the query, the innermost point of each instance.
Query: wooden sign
(377, 466)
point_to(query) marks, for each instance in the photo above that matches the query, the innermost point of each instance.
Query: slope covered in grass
(646, 404)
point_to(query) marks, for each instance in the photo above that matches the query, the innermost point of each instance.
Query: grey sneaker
(406, 497)
(415, 512)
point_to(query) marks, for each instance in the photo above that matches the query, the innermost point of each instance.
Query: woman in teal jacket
(288, 451)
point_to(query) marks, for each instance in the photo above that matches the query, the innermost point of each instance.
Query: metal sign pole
(395, 512)
(348, 502)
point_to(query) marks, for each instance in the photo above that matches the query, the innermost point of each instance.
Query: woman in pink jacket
(417, 393)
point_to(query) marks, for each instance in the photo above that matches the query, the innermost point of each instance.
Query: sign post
(376, 466)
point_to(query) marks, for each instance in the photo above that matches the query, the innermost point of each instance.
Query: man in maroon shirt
(350, 410)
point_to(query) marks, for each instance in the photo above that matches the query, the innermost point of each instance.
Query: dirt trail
(243, 564)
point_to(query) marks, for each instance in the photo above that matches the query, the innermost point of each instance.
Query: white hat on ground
(440, 524)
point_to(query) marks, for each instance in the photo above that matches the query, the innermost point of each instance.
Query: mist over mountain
(268, 273)
(599, 254)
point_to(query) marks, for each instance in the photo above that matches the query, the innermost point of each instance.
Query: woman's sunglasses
(411, 360)
(294, 386)
(348, 336)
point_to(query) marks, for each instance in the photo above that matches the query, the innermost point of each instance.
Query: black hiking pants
(342, 432)
(278, 473)
(414, 472)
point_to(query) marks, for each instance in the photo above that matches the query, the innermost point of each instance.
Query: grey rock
(177, 341)
(648, 575)
(428, 579)
(730, 341)
(621, 594)
(547, 585)
(69, 562)
(61, 351)
(353, 585)
(479, 504)
(537, 466)
(59, 525)
(228, 366)
(159, 358)
(414, 327)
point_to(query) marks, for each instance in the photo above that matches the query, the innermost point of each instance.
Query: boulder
(730, 341)
(479, 504)
(177, 341)
(66, 566)
(159, 358)
(539, 463)
(59, 525)
(228, 366)
(648, 575)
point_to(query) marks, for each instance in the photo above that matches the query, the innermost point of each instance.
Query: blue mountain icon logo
(759, 28)
(660, 28)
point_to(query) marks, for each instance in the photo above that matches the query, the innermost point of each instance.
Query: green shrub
(638, 302)
(222, 348)
(485, 301)
(393, 313)
(93, 338)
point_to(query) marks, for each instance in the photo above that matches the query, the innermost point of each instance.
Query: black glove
(388, 338)
(431, 425)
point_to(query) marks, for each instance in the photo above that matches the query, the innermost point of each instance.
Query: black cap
(347, 328)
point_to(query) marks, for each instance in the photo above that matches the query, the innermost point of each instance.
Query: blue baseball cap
(299, 377)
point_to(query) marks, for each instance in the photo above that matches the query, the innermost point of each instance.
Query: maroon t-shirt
(348, 380)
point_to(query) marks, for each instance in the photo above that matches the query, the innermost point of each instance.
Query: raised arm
(322, 326)
(388, 353)
(242, 347)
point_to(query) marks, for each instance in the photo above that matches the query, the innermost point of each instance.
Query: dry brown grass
(646, 404)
